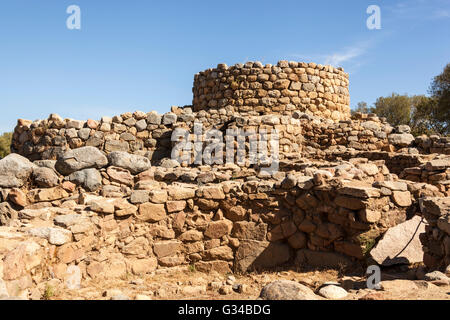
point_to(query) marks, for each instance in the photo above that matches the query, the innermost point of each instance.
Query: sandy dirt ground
(184, 284)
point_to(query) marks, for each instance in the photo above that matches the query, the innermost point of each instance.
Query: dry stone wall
(117, 214)
(257, 89)
(435, 172)
(436, 239)
(105, 198)
(149, 134)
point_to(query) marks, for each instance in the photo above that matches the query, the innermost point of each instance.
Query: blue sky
(142, 54)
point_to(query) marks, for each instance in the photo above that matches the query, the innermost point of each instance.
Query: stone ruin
(96, 199)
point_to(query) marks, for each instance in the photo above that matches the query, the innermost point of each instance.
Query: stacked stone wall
(117, 212)
(257, 89)
(436, 239)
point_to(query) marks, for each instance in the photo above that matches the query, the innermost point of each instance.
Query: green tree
(362, 107)
(422, 119)
(440, 92)
(395, 108)
(5, 144)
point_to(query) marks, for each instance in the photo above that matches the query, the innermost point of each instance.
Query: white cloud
(349, 57)
(419, 10)
(349, 54)
(442, 14)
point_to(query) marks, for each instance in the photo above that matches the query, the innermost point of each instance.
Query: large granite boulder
(134, 163)
(45, 177)
(400, 244)
(287, 290)
(89, 179)
(401, 139)
(79, 159)
(259, 255)
(14, 171)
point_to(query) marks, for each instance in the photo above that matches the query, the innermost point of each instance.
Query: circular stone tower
(257, 89)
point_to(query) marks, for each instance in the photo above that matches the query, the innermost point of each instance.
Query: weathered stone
(307, 226)
(400, 244)
(178, 220)
(21, 260)
(138, 246)
(437, 276)
(370, 216)
(68, 220)
(333, 292)
(89, 179)
(141, 125)
(166, 248)
(68, 186)
(169, 163)
(359, 190)
(180, 193)
(234, 213)
(14, 171)
(349, 202)
(175, 206)
(256, 255)
(79, 159)
(392, 185)
(114, 145)
(169, 118)
(399, 285)
(191, 235)
(151, 212)
(103, 206)
(7, 214)
(287, 290)
(211, 192)
(50, 164)
(402, 198)
(217, 229)
(112, 191)
(435, 206)
(369, 168)
(154, 118)
(401, 140)
(120, 175)
(244, 230)
(134, 163)
(75, 124)
(3, 290)
(73, 277)
(220, 253)
(51, 194)
(115, 268)
(298, 240)
(438, 164)
(350, 249)
(45, 177)
(158, 196)
(139, 196)
(289, 182)
(221, 267)
(205, 204)
(305, 183)
(18, 197)
(55, 236)
(143, 266)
